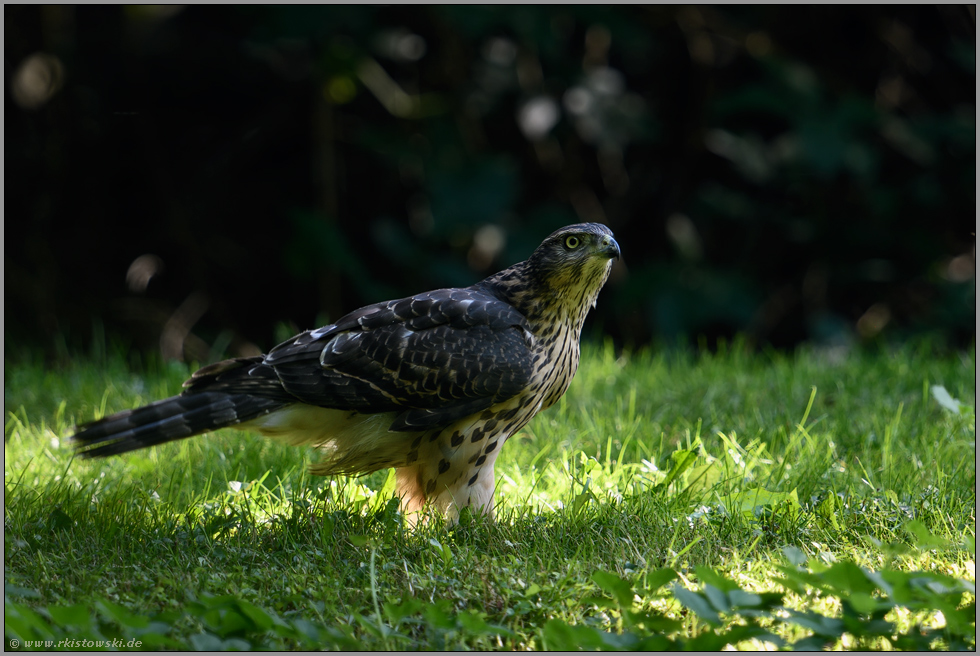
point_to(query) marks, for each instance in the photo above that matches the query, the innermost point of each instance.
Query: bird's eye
(572, 242)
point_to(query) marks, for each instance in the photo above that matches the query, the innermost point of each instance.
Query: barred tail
(175, 418)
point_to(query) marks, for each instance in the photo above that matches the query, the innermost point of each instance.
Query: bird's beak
(608, 247)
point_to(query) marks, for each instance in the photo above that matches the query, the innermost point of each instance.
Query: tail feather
(171, 419)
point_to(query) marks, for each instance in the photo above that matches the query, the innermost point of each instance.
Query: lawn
(673, 498)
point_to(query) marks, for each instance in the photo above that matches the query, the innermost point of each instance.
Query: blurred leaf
(794, 555)
(619, 589)
(659, 578)
(681, 461)
(697, 603)
(924, 538)
(750, 502)
(77, 615)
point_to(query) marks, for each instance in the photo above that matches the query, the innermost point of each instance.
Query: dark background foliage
(187, 178)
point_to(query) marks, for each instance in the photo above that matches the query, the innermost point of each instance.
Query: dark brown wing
(437, 357)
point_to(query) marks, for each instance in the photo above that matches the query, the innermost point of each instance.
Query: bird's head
(575, 260)
(561, 280)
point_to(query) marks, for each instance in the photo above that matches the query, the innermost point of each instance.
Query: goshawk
(432, 385)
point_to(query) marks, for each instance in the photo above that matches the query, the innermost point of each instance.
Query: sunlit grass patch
(715, 469)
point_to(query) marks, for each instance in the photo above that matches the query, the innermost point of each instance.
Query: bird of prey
(431, 385)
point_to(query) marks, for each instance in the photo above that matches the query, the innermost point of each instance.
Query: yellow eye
(572, 242)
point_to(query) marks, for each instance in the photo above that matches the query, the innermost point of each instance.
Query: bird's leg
(446, 474)
(410, 489)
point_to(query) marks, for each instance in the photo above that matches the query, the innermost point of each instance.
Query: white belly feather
(353, 443)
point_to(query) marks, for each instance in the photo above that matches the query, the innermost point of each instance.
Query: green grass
(670, 496)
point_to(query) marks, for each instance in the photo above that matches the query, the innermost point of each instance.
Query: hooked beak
(609, 247)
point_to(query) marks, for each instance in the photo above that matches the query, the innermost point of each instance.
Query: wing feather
(437, 357)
